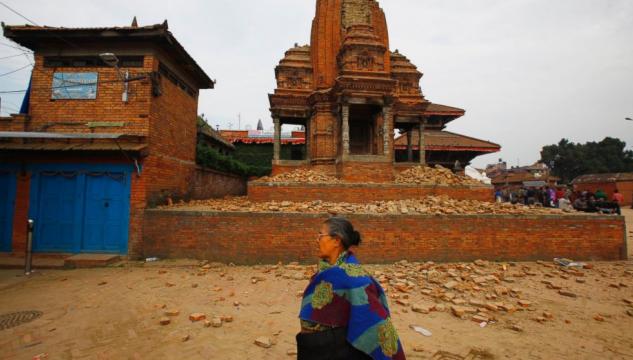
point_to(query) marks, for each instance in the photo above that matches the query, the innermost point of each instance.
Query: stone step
(82, 261)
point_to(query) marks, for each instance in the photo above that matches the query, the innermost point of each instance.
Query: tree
(570, 160)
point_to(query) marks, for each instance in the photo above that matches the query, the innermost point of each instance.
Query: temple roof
(438, 109)
(447, 141)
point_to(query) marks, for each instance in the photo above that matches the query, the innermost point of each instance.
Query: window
(91, 61)
(75, 85)
(166, 72)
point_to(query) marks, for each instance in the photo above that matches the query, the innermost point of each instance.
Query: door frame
(34, 200)
(12, 169)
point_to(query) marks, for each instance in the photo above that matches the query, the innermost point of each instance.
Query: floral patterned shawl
(344, 295)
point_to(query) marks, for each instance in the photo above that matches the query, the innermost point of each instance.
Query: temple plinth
(351, 93)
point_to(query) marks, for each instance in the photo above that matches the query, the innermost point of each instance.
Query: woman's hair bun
(356, 239)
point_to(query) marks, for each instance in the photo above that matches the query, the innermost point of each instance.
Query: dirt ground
(115, 313)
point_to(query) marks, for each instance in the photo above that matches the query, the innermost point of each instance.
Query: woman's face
(329, 246)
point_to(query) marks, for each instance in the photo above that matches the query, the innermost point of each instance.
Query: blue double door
(80, 209)
(7, 206)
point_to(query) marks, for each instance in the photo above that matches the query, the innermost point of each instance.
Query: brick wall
(208, 184)
(21, 212)
(171, 164)
(72, 115)
(269, 238)
(353, 171)
(360, 193)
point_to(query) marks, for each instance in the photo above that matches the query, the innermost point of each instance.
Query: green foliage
(571, 160)
(211, 158)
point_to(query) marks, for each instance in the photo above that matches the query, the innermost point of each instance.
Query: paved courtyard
(533, 310)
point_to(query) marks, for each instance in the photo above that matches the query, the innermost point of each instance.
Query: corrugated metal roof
(73, 147)
(51, 135)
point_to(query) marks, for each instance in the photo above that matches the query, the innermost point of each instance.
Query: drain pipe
(29, 247)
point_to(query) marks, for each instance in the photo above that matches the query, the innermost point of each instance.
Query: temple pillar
(387, 120)
(345, 129)
(422, 143)
(410, 145)
(277, 139)
(308, 140)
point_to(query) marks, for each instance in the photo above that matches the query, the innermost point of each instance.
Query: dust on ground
(530, 310)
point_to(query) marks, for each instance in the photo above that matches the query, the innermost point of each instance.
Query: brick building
(108, 128)
(351, 92)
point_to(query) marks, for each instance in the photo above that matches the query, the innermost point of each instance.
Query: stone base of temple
(363, 192)
(365, 171)
(266, 238)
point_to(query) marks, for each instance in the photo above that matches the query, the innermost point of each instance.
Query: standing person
(618, 200)
(498, 196)
(344, 313)
(551, 194)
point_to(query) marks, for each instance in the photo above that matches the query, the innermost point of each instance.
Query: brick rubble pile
(437, 175)
(432, 205)
(301, 176)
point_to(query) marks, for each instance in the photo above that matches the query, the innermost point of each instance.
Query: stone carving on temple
(351, 93)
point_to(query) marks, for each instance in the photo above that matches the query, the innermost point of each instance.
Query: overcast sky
(528, 72)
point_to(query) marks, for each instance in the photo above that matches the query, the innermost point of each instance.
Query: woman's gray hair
(344, 230)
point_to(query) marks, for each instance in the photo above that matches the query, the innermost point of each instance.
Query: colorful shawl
(344, 295)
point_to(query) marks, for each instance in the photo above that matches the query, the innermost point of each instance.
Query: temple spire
(134, 23)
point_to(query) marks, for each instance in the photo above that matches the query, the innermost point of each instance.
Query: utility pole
(239, 121)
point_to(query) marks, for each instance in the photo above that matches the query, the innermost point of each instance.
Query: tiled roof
(448, 141)
(521, 177)
(242, 136)
(438, 109)
(603, 178)
(33, 36)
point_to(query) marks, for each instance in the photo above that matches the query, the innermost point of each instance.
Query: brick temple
(351, 93)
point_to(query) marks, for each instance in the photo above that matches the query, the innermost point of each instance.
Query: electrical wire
(16, 70)
(36, 24)
(142, 77)
(13, 56)
(16, 47)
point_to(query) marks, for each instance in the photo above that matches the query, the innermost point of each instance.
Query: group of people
(563, 198)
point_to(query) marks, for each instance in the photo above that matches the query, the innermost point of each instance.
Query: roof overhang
(35, 37)
(58, 136)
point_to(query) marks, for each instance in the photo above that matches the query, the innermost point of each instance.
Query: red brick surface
(21, 212)
(360, 193)
(268, 238)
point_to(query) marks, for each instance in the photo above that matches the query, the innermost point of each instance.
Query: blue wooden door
(7, 204)
(58, 220)
(105, 226)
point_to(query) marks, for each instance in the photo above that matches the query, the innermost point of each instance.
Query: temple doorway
(363, 129)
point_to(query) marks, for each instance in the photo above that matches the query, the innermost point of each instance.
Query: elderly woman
(344, 312)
